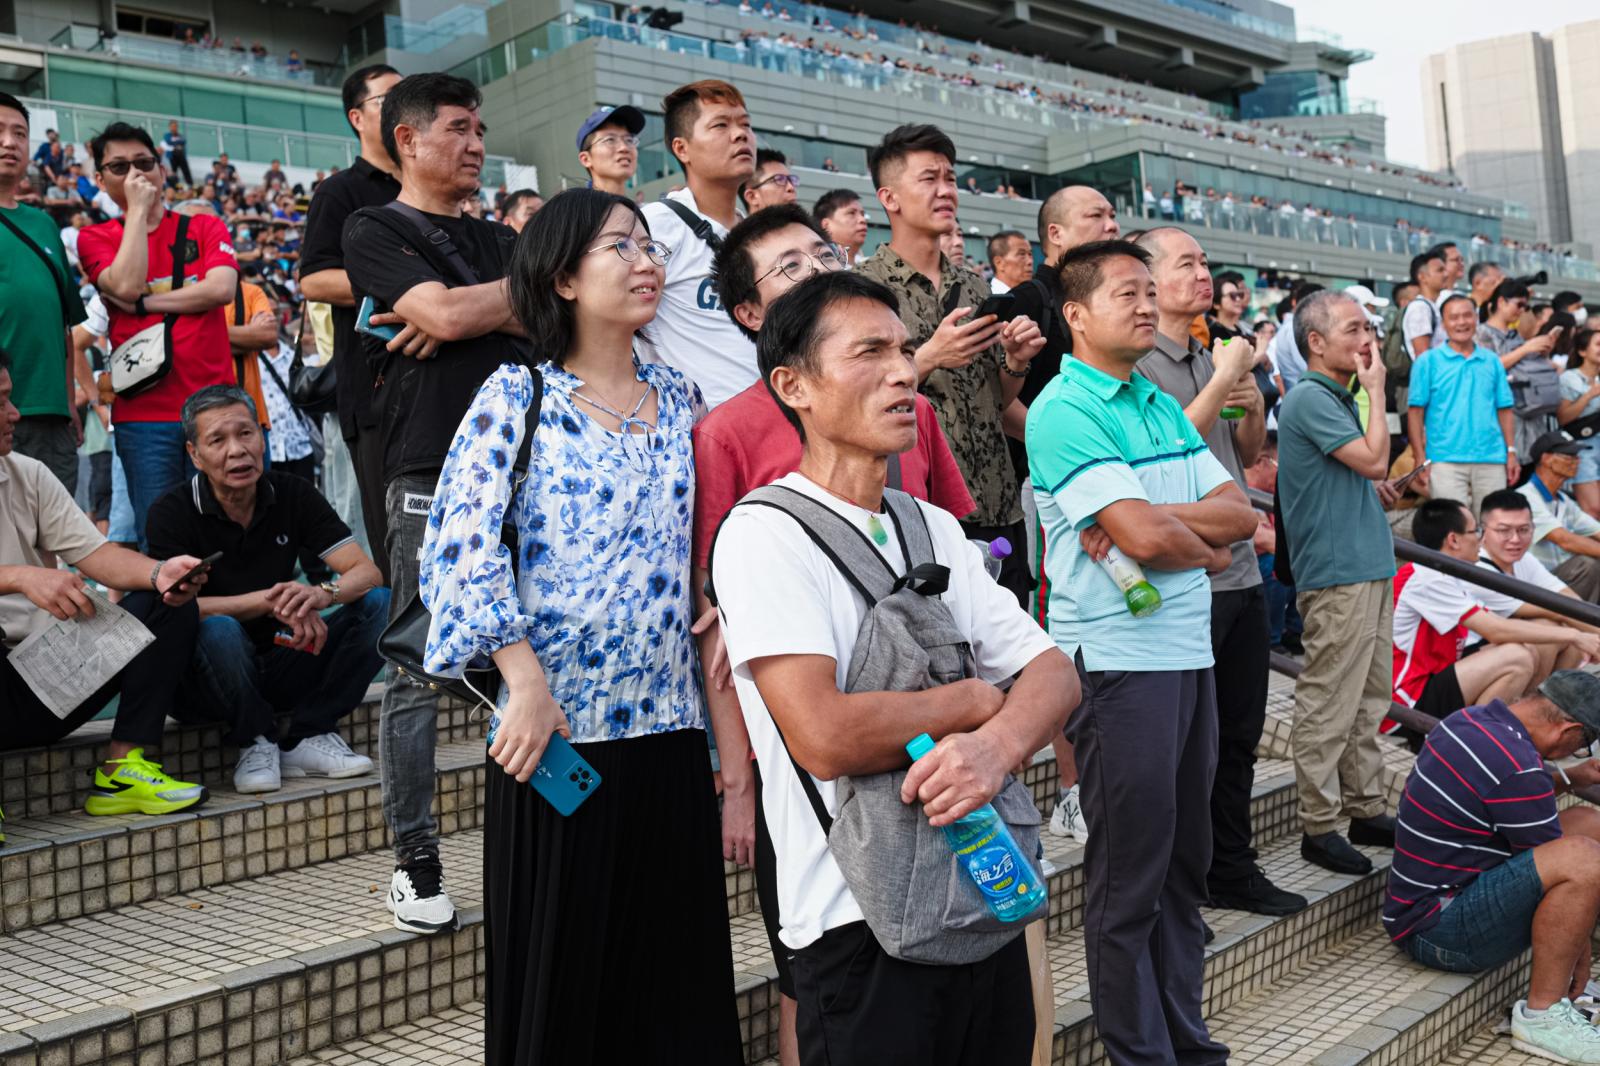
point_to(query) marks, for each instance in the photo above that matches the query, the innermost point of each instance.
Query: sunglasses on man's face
(119, 167)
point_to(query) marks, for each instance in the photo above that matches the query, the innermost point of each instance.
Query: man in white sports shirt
(708, 131)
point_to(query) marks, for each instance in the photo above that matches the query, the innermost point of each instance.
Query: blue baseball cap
(631, 119)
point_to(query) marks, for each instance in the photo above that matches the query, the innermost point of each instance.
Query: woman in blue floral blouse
(607, 929)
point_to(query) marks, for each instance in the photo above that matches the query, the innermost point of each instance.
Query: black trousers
(366, 455)
(1014, 572)
(147, 684)
(1146, 746)
(860, 1007)
(1239, 643)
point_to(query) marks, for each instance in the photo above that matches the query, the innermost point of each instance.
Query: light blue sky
(1404, 32)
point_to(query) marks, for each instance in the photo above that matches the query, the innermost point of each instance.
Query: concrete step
(64, 865)
(259, 972)
(55, 780)
(1365, 1003)
(1491, 1048)
(450, 1038)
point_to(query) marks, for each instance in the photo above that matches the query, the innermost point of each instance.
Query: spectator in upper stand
(744, 444)
(453, 335)
(1460, 410)
(175, 146)
(844, 221)
(1069, 217)
(1482, 281)
(1487, 865)
(1284, 352)
(1435, 613)
(1182, 368)
(1011, 260)
(264, 647)
(39, 305)
(1507, 524)
(1115, 463)
(41, 526)
(1342, 562)
(838, 359)
(224, 173)
(49, 157)
(353, 468)
(770, 183)
(274, 178)
(971, 372)
(1566, 537)
(1423, 324)
(520, 207)
(708, 132)
(131, 262)
(608, 147)
(1580, 398)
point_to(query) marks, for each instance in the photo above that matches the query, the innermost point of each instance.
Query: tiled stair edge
(266, 1014)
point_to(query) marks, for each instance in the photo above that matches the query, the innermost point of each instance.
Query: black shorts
(1441, 696)
(767, 892)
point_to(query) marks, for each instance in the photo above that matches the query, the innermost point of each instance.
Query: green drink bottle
(1232, 414)
(1140, 596)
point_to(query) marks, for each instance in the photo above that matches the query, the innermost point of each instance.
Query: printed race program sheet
(68, 661)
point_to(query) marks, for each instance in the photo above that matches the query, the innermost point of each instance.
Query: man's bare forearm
(1045, 693)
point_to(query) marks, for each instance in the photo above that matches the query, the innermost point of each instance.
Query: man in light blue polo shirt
(1115, 463)
(1460, 412)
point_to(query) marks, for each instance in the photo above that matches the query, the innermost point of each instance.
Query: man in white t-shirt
(1507, 526)
(708, 132)
(1421, 324)
(1435, 614)
(839, 362)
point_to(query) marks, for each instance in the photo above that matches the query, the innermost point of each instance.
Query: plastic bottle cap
(920, 745)
(999, 547)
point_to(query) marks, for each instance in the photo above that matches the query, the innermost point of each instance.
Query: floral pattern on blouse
(603, 521)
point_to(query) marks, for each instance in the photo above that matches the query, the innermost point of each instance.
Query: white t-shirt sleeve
(1441, 600)
(1534, 572)
(1004, 637)
(773, 597)
(1418, 321)
(1499, 602)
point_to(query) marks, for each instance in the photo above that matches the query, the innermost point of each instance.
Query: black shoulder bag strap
(49, 264)
(1047, 302)
(180, 256)
(238, 320)
(436, 239)
(697, 225)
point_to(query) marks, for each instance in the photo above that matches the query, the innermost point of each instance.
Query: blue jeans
(247, 687)
(1282, 614)
(1489, 923)
(155, 462)
(122, 530)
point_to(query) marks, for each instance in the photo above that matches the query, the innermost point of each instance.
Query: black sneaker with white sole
(417, 898)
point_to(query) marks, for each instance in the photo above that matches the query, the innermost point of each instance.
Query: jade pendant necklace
(880, 536)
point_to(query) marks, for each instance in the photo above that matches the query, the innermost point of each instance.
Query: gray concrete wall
(1576, 59)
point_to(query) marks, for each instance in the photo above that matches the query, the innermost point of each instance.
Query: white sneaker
(1067, 820)
(417, 898)
(326, 755)
(1560, 1033)
(258, 769)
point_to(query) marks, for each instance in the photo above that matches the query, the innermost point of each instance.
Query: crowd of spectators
(692, 414)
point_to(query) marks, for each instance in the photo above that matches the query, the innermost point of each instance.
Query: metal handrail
(1412, 552)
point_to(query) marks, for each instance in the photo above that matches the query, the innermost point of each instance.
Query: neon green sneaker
(139, 787)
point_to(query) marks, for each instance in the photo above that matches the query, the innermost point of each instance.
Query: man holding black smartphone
(971, 371)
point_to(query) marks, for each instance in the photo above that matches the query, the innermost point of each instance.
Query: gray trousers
(408, 716)
(1582, 575)
(1146, 747)
(49, 439)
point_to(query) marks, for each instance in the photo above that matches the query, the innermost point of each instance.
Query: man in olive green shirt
(38, 308)
(971, 372)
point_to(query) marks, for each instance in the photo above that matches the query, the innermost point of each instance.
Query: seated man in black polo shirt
(264, 648)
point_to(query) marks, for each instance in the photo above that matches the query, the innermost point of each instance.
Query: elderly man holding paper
(140, 649)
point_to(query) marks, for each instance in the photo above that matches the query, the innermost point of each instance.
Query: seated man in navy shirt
(1485, 864)
(265, 649)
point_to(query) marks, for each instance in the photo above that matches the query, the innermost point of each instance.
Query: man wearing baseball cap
(608, 147)
(1566, 538)
(1486, 865)
(1370, 302)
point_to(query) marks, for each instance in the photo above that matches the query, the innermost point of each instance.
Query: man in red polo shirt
(130, 260)
(746, 442)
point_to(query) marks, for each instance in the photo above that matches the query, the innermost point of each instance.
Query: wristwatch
(331, 588)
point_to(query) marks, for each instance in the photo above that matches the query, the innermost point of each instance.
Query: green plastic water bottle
(1140, 596)
(1232, 414)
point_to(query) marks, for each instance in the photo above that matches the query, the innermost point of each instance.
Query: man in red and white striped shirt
(1485, 865)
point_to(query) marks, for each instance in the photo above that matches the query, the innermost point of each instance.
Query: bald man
(1071, 216)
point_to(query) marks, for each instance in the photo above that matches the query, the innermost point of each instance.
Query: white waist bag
(140, 362)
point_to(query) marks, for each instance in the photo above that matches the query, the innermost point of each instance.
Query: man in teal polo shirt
(1342, 556)
(1116, 464)
(1460, 413)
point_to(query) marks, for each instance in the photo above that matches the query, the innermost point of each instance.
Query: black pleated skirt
(607, 931)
